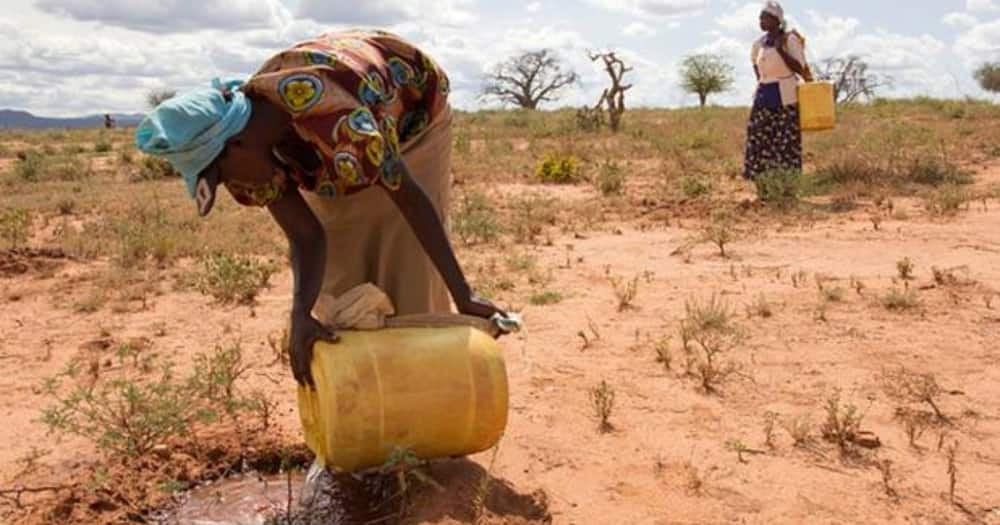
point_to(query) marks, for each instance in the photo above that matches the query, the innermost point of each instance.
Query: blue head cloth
(191, 129)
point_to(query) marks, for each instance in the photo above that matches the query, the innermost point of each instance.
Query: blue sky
(66, 57)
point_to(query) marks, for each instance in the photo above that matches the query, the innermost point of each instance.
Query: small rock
(867, 439)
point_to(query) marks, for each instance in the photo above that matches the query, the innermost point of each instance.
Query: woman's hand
(479, 307)
(305, 332)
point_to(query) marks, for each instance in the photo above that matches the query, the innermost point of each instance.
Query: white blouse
(772, 67)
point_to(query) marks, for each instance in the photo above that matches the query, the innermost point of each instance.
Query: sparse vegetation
(708, 336)
(946, 200)
(910, 387)
(559, 169)
(30, 167)
(625, 290)
(233, 278)
(951, 453)
(760, 307)
(143, 402)
(14, 224)
(546, 298)
(602, 398)
(779, 188)
(693, 186)
(904, 267)
(475, 221)
(721, 231)
(107, 246)
(842, 424)
(770, 420)
(901, 299)
(799, 429)
(610, 179)
(154, 168)
(103, 145)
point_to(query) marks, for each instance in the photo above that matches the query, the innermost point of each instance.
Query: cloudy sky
(70, 57)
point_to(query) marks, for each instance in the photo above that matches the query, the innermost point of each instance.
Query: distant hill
(10, 118)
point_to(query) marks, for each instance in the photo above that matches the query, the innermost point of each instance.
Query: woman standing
(774, 135)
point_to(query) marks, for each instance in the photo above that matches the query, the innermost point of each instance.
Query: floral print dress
(354, 98)
(774, 134)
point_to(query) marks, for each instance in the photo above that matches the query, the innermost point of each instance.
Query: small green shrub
(103, 145)
(14, 224)
(602, 399)
(721, 231)
(462, 144)
(842, 425)
(904, 267)
(610, 179)
(901, 300)
(141, 403)
(31, 167)
(781, 188)
(708, 336)
(155, 168)
(546, 298)
(946, 200)
(475, 221)
(66, 206)
(126, 158)
(693, 186)
(933, 171)
(559, 169)
(233, 278)
(531, 213)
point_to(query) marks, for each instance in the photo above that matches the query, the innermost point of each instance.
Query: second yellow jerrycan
(817, 109)
(437, 392)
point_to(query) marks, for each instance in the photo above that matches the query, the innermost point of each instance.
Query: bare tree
(528, 79)
(706, 74)
(158, 96)
(851, 78)
(988, 76)
(613, 97)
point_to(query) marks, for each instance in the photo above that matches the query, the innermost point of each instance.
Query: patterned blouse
(354, 97)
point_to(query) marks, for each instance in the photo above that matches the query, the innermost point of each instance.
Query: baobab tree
(528, 80)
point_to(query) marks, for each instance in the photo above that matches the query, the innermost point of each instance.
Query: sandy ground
(667, 459)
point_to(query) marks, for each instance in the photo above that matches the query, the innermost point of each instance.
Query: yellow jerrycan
(437, 392)
(817, 110)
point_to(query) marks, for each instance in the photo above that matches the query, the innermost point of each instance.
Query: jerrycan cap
(510, 324)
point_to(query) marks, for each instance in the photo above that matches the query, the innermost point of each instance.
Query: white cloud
(654, 8)
(982, 6)
(960, 20)
(639, 29)
(832, 33)
(980, 43)
(742, 19)
(168, 16)
(533, 7)
(385, 12)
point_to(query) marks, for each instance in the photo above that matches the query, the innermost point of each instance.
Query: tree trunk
(703, 97)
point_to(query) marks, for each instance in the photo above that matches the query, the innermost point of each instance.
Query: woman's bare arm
(419, 213)
(307, 252)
